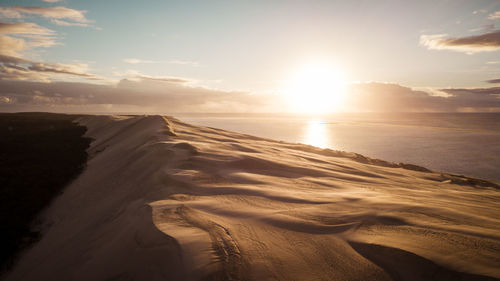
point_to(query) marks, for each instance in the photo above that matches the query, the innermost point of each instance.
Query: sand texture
(165, 200)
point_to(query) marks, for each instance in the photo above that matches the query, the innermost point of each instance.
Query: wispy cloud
(494, 16)
(52, 1)
(70, 69)
(17, 37)
(136, 61)
(19, 41)
(180, 62)
(16, 68)
(183, 62)
(10, 46)
(160, 78)
(46, 12)
(469, 44)
(493, 81)
(67, 23)
(481, 11)
(24, 28)
(61, 16)
(486, 27)
(133, 74)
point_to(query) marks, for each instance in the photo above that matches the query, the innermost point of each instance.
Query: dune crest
(165, 200)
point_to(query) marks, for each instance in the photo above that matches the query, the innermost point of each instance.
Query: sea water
(463, 143)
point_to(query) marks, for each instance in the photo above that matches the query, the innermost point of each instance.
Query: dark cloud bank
(145, 95)
(149, 95)
(393, 98)
(489, 41)
(494, 81)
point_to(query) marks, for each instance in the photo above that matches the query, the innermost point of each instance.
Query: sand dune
(165, 200)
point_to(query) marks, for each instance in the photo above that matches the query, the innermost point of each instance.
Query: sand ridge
(165, 200)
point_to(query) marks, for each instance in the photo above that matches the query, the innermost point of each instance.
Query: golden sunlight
(316, 134)
(316, 88)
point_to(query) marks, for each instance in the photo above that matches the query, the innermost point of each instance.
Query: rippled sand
(165, 200)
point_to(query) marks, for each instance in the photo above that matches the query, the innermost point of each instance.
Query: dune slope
(165, 200)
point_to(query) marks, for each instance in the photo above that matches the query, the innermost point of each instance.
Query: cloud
(126, 96)
(66, 23)
(23, 28)
(35, 41)
(11, 46)
(9, 13)
(28, 35)
(470, 44)
(486, 27)
(160, 78)
(51, 1)
(17, 68)
(180, 62)
(70, 69)
(494, 16)
(150, 95)
(387, 97)
(12, 60)
(13, 65)
(493, 81)
(136, 61)
(135, 75)
(478, 99)
(46, 12)
(183, 62)
(482, 11)
(17, 38)
(61, 16)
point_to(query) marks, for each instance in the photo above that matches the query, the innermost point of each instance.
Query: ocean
(459, 143)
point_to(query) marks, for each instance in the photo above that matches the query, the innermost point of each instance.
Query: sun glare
(316, 88)
(316, 134)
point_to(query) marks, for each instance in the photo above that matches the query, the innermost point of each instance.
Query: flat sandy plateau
(165, 200)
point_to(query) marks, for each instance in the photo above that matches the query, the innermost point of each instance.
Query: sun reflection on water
(316, 134)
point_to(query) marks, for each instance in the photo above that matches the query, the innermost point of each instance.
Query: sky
(240, 56)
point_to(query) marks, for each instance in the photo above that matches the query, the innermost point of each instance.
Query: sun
(315, 88)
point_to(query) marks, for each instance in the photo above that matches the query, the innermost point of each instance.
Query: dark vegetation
(40, 153)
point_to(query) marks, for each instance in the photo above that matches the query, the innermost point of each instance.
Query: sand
(165, 200)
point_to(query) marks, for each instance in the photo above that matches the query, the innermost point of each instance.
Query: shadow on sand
(403, 265)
